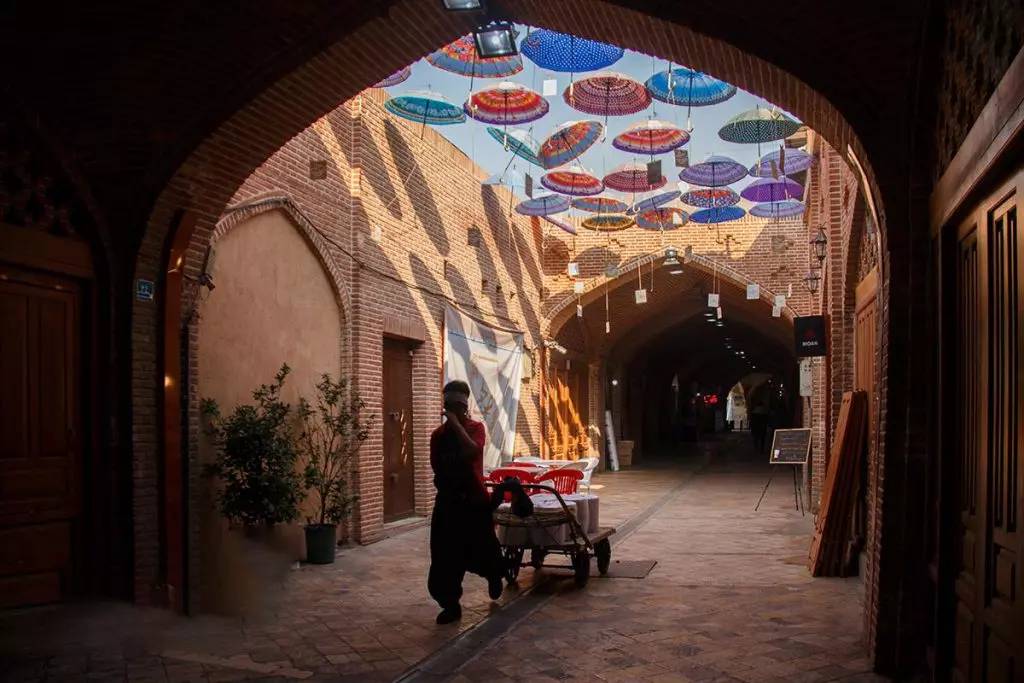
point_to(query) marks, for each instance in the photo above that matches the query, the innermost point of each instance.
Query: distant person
(759, 426)
(462, 535)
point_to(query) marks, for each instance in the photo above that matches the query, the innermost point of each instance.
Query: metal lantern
(820, 245)
(812, 280)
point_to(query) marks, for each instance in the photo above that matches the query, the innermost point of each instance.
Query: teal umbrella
(758, 125)
(517, 141)
(423, 106)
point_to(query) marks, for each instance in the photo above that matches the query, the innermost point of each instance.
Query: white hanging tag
(712, 301)
(677, 218)
(550, 87)
(641, 296)
(789, 292)
(607, 327)
(780, 300)
(753, 291)
(776, 311)
(688, 255)
(579, 311)
(578, 287)
(574, 269)
(718, 311)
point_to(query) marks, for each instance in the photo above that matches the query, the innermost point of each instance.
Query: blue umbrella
(785, 209)
(568, 54)
(518, 141)
(425, 107)
(688, 88)
(510, 178)
(718, 215)
(793, 161)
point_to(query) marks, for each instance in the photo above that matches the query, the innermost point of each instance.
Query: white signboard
(776, 311)
(780, 300)
(491, 362)
(753, 291)
(641, 296)
(613, 446)
(550, 87)
(806, 378)
(712, 301)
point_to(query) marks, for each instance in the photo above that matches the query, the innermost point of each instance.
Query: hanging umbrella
(632, 177)
(608, 222)
(719, 215)
(784, 209)
(794, 161)
(669, 218)
(654, 201)
(651, 137)
(543, 205)
(576, 183)
(519, 142)
(711, 198)
(607, 94)
(423, 106)
(570, 140)
(559, 223)
(598, 204)
(506, 103)
(715, 171)
(400, 76)
(758, 125)
(771, 190)
(568, 54)
(688, 88)
(460, 57)
(509, 178)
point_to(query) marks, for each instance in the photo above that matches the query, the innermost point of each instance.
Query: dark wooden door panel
(399, 470)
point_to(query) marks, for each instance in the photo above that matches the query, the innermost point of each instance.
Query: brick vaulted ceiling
(123, 92)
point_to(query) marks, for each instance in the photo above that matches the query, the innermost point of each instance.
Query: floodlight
(496, 40)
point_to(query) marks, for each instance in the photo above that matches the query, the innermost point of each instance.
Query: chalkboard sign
(791, 447)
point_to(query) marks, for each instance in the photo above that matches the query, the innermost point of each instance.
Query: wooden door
(989, 619)
(399, 472)
(40, 458)
(865, 352)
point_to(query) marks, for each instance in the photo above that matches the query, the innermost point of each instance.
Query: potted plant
(256, 459)
(332, 433)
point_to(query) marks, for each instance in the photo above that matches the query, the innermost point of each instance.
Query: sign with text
(753, 291)
(791, 447)
(809, 332)
(144, 290)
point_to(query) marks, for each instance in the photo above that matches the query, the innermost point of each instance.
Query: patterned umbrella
(598, 204)
(758, 125)
(632, 177)
(651, 137)
(771, 190)
(559, 223)
(785, 209)
(576, 183)
(520, 142)
(794, 161)
(569, 141)
(711, 198)
(654, 201)
(715, 171)
(506, 103)
(543, 205)
(460, 58)
(568, 54)
(662, 219)
(400, 76)
(688, 88)
(424, 106)
(720, 215)
(607, 94)
(605, 222)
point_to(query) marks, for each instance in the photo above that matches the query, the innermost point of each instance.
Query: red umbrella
(575, 183)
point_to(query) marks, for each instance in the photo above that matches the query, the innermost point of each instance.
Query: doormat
(624, 569)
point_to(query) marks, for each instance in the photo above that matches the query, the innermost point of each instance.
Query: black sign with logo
(810, 336)
(791, 447)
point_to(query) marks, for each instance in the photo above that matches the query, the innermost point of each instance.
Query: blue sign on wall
(144, 290)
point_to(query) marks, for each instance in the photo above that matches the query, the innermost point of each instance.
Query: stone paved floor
(729, 599)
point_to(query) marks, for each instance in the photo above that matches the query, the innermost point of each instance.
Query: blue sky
(473, 139)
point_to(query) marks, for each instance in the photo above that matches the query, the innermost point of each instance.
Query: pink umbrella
(607, 94)
(575, 183)
(631, 177)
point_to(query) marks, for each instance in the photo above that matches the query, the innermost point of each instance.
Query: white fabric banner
(491, 362)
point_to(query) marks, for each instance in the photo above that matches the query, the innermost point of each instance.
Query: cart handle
(551, 489)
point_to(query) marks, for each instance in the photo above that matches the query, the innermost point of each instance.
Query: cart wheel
(513, 560)
(603, 552)
(537, 557)
(581, 568)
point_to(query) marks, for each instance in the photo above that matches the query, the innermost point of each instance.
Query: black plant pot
(321, 540)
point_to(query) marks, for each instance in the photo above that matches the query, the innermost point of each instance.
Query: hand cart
(578, 546)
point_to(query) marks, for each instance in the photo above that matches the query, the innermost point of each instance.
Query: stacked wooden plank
(829, 554)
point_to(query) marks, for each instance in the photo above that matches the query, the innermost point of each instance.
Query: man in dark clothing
(461, 528)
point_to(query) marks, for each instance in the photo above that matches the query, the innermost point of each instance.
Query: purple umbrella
(784, 209)
(771, 190)
(715, 171)
(653, 202)
(400, 76)
(543, 205)
(793, 161)
(559, 223)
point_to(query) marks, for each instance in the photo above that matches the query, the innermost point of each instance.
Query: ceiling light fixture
(463, 5)
(497, 39)
(670, 257)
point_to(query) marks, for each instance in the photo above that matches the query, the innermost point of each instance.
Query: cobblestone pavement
(367, 617)
(730, 599)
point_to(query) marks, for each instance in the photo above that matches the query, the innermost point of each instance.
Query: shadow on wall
(417, 188)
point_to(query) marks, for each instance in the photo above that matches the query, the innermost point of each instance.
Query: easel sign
(791, 447)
